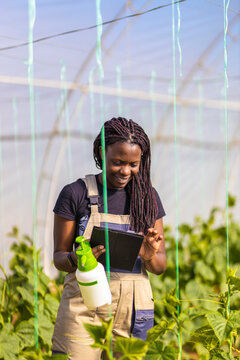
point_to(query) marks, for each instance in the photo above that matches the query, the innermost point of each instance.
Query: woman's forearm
(157, 265)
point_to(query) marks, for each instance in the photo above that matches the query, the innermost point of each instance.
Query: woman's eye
(116, 163)
(134, 165)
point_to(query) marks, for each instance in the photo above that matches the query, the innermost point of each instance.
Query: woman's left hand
(150, 245)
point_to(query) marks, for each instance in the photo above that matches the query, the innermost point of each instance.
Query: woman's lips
(122, 180)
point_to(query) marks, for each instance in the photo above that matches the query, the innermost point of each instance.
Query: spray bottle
(91, 277)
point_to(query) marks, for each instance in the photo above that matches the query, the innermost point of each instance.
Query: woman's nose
(125, 170)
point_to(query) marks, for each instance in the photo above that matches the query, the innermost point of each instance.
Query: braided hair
(143, 205)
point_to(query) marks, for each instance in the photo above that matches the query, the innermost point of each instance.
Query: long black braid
(143, 206)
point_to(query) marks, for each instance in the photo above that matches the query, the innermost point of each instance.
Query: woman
(132, 204)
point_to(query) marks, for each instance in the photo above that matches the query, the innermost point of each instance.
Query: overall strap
(91, 185)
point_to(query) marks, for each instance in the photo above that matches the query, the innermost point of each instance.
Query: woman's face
(122, 163)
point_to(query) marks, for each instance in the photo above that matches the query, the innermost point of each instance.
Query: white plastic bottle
(91, 277)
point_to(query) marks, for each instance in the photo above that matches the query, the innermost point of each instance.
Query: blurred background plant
(17, 304)
(204, 326)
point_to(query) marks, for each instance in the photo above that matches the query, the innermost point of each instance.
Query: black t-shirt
(73, 203)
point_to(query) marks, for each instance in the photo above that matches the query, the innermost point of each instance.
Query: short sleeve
(161, 211)
(66, 204)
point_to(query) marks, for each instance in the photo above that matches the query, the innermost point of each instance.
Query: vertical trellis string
(99, 53)
(15, 126)
(178, 39)
(101, 75)
(31, 19)
(176, 167)
(200, 133)
(90, 80)
(153, 101)
(119, 87)
(225, 7)
(99, 36)
(2, 205)
(38, 124)
(105, 201)
(66, 110)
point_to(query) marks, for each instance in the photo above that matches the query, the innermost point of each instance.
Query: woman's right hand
(98, 250)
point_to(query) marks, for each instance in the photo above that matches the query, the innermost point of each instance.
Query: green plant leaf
(160, 329)
(231, 201)
(222, 356)
(1, 320)
(25, 333)
(26, 295)
(43, 281)
(45, 327)
(234, 280)
(185, 229)
(51, 305)
(14, 233)
(9, 343)
(132, 348)
(206, 336)
(31, 354)
(56, 357)
(234, 319)
(97, 332)
(21, 271)
(204, 271)
(220, 325)
(101, 334)
(156, 351)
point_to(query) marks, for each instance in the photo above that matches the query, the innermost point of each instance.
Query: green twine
(101, 103)
(226, 114)
(99, 61)
(225, 7)
(119, 87)
(153, 101)
(176, 169)
(15, 125)
(2, 206)
(99, 36)
(105, 212)
(105, 201)
(38, 124)
(178, 39)
(31, 17)
(99, 54)
(200, 134)
(92, 99)
(64, 96)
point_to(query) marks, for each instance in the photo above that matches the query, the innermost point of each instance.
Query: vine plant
(206, 327)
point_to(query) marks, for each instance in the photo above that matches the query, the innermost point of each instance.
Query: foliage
(199, 325)
(18, 317)
(204, 323)
(206, 288)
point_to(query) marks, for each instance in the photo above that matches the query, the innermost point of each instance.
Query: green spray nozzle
(86, 259)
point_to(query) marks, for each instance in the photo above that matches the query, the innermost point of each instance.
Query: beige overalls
(132, 304)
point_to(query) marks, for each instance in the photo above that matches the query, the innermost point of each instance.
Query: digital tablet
(124, 247)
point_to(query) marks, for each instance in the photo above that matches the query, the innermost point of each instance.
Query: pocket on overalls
(144, 309)
(122, 318)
